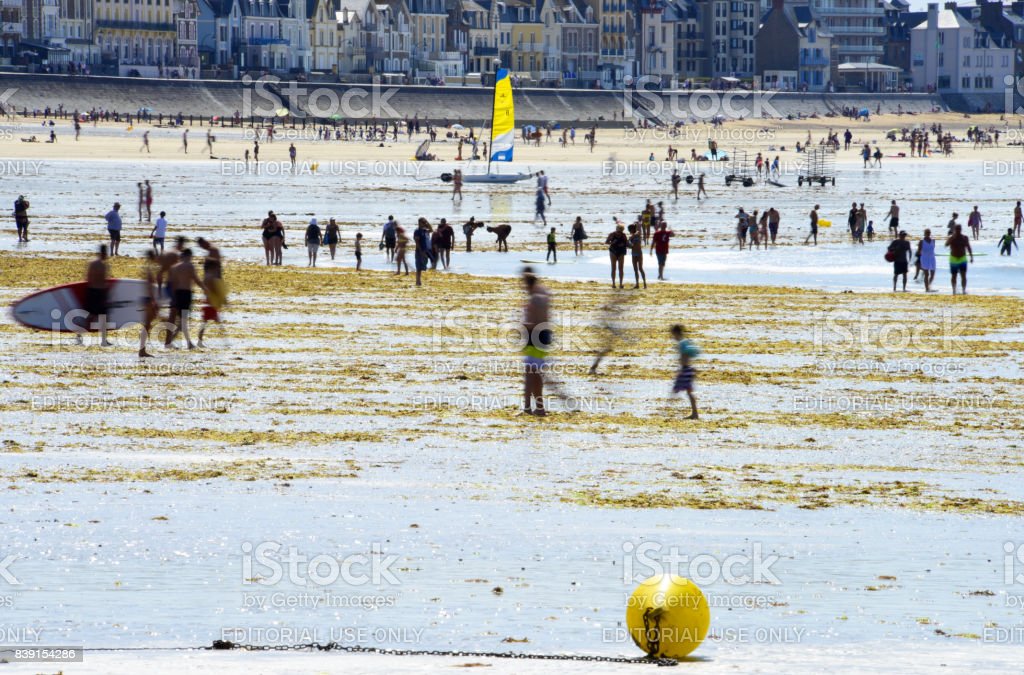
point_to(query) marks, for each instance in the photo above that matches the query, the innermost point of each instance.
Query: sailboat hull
(497, 178)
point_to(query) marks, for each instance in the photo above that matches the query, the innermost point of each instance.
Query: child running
(684, 378)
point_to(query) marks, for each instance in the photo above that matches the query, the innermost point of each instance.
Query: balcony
(860, 49)
(857, 30)
(811, 60)
(137, 25)
(485, 51)
(265, 42)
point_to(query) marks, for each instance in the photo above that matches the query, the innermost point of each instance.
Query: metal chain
(357, 649)
(653, 641)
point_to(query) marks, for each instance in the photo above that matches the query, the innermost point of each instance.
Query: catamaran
(503, 131)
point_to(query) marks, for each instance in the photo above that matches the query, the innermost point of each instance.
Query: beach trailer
(741, 169)
(818, 167)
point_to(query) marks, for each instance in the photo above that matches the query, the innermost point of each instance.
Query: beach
(861, 445)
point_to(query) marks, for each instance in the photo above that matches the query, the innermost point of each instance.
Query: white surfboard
(62, 308)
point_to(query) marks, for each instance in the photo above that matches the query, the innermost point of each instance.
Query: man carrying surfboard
(96, 276)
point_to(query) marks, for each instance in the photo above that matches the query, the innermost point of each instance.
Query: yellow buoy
(824, 223)
(668, 616)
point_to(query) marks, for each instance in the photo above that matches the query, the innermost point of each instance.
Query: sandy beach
(867, 442)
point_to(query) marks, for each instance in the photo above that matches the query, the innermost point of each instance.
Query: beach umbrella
(457, 127)
(335, 116)
(894, 131)
(282, 112)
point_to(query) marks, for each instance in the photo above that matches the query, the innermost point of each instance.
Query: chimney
(778, 5)
(951, 6)
(933, 15)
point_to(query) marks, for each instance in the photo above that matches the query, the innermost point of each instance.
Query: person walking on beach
(148, 199)
(292, 154)
(851, 220)
(741, 227)
(952, 224)
(256, 152)
(21, 206)
(97, 275)
(457, 184)
(538, 343)
(1006, 242)
(273, 235)
(926, 260)
(610, 321)
(865, 154)
(552, 246)
(542, 185)
(401, 244)
(700, 187)
(445, 243)
(676, 180)
(141, 200)
(974, 222)
(578, 236)
(159, 232)
(209, 142)
(421, 237)
(331, 235)
(149, 302)
(618, 244)
(893, 217)
(686, 374)
(216, 290)
(773, 223)
(540, 206)
(899, 254)
(181, 279)
(959, 249)
(636, 246)
(814, 226)
(389, 238)
(359, 251)
(314, 238)
(659, 246)
(113, 219)
(145, 142)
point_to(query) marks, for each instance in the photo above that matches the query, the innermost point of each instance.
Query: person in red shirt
(659, 245)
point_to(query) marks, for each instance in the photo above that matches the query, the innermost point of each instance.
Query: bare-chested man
(96, 276)
(180, 280)
(501, 232)
(538, 343)
(149, 301)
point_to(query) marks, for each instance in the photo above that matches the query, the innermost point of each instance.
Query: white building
(949, 54)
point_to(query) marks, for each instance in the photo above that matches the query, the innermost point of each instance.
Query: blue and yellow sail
(503, 120)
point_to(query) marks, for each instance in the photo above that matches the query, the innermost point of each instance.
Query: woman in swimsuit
(269, 226)
(578, 235)
(331, 236)
(618, 244)
(278, 242)
(401, 242)
(636, 244)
